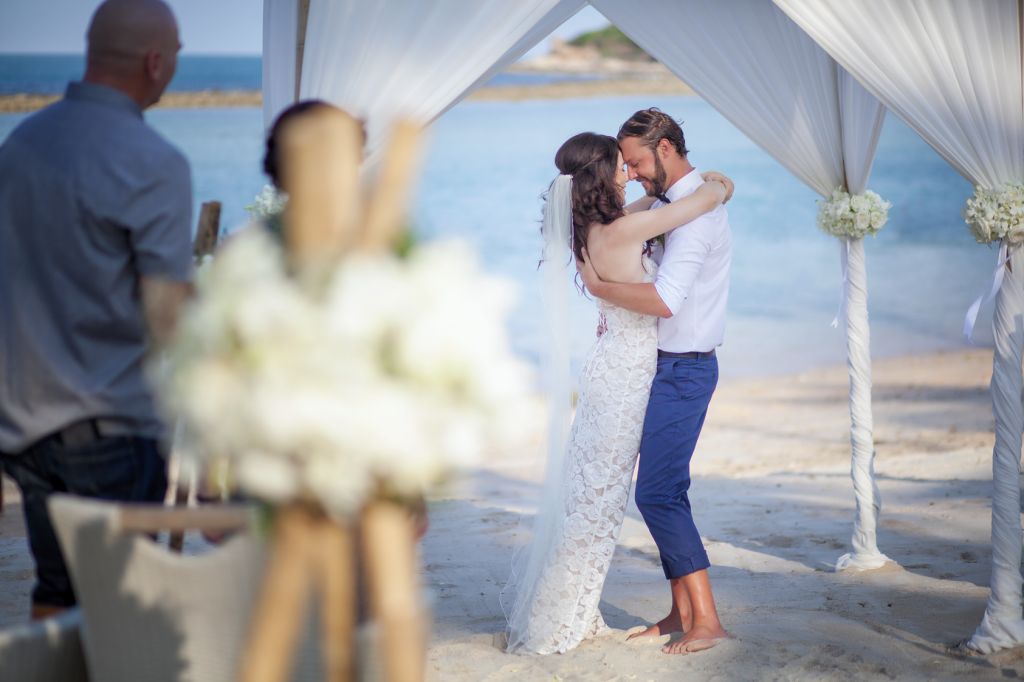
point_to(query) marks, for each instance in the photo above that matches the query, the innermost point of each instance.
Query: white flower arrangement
(854, 216)
(397, 373)
(268, 203)
(996, 214)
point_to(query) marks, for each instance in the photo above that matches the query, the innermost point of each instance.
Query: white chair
(44, 651)
(150, 614)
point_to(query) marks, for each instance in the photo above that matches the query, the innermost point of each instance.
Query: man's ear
(664, 148)
(154, 65)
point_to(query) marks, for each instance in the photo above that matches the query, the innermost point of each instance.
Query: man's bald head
(133, 41)
(123, 31)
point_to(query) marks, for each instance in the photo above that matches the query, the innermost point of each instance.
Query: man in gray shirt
(95, 261)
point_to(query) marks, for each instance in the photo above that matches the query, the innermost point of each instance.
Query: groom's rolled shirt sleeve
(686, 249)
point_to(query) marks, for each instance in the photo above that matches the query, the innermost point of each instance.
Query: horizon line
(82, 54)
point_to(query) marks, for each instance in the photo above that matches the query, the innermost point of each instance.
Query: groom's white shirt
(693, 276)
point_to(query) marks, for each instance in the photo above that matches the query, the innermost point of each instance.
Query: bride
(557, 577)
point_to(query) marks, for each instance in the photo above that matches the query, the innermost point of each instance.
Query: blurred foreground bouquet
(856, 216)
(997, 213)
(396, 373)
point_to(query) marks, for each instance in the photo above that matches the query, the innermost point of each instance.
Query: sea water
(48, 74)
(488, 163)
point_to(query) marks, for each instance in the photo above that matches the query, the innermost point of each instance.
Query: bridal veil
(537, 536)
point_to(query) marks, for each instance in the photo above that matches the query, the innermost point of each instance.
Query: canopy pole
(300, 44)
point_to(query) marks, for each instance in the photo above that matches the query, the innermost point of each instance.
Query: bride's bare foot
(667, 625)
(699, 638)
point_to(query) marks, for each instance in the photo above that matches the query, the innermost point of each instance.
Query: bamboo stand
(312, 555)
(389, 550)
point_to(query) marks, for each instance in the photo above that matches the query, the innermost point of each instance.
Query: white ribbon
(997, 280)
(844, 260)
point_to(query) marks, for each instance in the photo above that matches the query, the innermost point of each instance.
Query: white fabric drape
(767, 77)
(398, 59)
(951, 69)
(1002, 626)
(280, 39)
(773, 82)
(865, 554)
(555, 17)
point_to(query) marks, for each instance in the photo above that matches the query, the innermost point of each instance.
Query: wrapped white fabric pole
(861, 118)
(865, 553)
(951, 70)
(1002, 627)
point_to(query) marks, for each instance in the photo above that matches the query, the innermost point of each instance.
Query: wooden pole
(387, 207)
(320, 172)
(277, 621)
(389, 550)
(208, 232)
(153, 518)
(336, 578)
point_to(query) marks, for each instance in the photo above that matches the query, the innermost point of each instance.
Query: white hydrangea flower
(854, 216)
(996, 213)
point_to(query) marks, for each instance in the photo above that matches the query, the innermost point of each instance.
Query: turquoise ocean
(488, 163)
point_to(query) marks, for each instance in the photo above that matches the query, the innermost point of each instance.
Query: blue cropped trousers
(679, 401)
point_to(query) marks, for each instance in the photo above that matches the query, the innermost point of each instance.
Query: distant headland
(598, 64)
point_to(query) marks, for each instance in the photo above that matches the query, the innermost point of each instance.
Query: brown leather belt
(692, 355)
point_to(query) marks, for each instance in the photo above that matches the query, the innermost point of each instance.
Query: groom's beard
(656, 185)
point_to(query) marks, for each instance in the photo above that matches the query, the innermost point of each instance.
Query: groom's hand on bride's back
(591, 280)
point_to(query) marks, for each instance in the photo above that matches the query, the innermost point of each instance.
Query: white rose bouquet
(996, 214)
(397, 372)
(852, 216)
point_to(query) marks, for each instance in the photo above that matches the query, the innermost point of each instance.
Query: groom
(689, 297)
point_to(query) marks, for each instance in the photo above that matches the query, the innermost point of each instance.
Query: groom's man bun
(652, 126)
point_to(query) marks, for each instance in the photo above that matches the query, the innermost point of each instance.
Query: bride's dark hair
(591, 160)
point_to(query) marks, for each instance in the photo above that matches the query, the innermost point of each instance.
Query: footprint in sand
(660, 640)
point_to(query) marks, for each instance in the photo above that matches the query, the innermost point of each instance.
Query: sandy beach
(12, 104)
(658, 84)
(774, 503)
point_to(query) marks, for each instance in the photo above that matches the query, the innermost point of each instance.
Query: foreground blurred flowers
(397, 373)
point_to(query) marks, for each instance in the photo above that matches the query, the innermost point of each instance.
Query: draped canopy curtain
(951, 70)
(773, 82)
(397, 59)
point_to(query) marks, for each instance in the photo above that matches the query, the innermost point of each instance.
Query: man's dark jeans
(124, 468)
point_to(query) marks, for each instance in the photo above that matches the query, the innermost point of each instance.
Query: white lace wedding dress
(558, 591)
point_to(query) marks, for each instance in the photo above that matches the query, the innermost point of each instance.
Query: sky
(229, 27)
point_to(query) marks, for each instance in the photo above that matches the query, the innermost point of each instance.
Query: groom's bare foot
(667, 625)
(699, 638)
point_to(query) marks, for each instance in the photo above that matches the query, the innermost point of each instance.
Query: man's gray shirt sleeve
(158, 219)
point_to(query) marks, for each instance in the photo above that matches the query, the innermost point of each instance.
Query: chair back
(44, 651)
(150, 614)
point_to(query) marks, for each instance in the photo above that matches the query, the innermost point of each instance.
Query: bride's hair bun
(592, 161)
